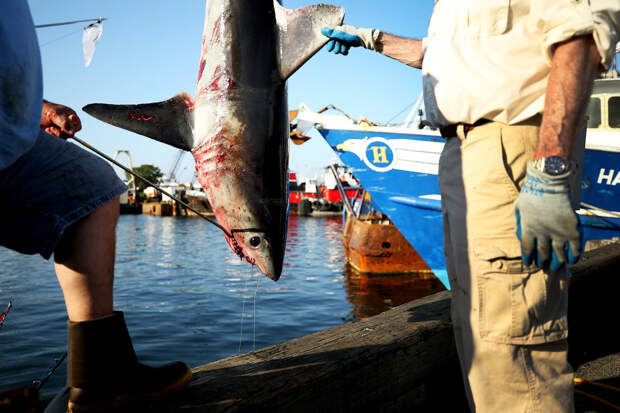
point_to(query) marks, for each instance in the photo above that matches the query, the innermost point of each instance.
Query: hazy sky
(149, 52)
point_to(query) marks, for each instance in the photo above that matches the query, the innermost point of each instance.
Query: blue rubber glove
(342, 38)
(547, 225)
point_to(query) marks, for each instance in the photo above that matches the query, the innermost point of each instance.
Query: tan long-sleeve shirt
(491, 58)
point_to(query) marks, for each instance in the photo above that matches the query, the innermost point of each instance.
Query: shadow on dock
(402, 359)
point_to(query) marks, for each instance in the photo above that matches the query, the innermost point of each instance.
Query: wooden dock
(401, 360)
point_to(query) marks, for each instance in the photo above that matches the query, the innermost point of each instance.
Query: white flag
(90, 36)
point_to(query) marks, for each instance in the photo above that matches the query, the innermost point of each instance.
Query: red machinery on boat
(321, 195)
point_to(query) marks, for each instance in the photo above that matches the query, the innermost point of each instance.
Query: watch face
(554, 165)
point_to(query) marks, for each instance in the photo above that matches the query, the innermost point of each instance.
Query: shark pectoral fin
(300, 33)
(169, 121)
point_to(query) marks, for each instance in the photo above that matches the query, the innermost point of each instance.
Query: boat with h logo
(398, 166)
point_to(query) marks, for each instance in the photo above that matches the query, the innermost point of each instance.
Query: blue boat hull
(400, 173)
(601, 188)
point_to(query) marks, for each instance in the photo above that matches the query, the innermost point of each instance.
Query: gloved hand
(546, 221)
(346, 36)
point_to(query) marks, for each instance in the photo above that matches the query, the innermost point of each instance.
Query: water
(187, 297)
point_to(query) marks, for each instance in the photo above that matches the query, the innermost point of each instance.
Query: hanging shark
(237, 127)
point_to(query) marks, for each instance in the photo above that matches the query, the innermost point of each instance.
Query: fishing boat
(398, 166)
(308, 195)
(373, 245)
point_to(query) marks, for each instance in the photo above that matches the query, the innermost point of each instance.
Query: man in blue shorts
(59, 199)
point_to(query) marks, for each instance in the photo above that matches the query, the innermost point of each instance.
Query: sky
(150, 51)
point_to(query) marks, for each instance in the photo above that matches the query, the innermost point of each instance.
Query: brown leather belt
(450, 130)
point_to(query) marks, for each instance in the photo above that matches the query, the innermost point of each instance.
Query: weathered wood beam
(383, 362)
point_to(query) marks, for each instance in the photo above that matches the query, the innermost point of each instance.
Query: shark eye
(255, 241)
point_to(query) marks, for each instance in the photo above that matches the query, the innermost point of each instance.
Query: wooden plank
(400, 360)
(380, 362)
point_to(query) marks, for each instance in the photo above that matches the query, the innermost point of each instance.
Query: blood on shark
(237, 128)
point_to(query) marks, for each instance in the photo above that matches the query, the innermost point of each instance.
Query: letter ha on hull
(237, 127)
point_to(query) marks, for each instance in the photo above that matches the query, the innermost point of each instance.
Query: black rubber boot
(103, 370)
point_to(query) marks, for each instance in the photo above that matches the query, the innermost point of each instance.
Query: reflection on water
(373, 294)
(186, 296)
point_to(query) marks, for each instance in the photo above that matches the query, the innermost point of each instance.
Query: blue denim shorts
(47, 189)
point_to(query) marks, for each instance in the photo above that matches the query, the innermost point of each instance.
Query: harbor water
(187, 297)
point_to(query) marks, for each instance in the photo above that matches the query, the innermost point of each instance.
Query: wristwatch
(553, 165)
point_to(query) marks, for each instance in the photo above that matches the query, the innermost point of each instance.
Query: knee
(102, 219)
(100, 224)
(108, 213)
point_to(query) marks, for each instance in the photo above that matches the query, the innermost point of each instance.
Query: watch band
(553, 165)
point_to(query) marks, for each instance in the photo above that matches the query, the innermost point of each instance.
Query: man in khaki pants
(507, 83)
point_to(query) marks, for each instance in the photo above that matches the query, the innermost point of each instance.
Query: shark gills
(237, 127)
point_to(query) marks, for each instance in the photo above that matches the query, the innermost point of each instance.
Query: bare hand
(59, 120)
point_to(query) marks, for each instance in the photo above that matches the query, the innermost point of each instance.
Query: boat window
(594, 113)
(614, 112)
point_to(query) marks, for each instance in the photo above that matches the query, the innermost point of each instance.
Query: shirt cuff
(578, 22)
(605, 36)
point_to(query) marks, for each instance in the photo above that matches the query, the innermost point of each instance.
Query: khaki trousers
(510, 321)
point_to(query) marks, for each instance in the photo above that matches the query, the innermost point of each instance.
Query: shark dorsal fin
(169, 121)
(300, 33)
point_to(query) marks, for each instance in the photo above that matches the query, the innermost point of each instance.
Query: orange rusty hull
(374, 245)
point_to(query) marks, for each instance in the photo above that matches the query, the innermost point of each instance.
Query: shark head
(258, 248)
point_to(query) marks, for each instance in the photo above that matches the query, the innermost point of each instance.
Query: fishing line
(40, 383)
(258, 277)
(245, 288)
(61, 37)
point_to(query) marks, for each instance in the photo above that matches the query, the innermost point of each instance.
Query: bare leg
(102, 368)
(84, 261)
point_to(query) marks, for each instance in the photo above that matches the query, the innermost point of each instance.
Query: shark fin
(300, 33)
(169, 121)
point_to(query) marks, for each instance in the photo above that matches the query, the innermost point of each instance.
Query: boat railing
(306, 119)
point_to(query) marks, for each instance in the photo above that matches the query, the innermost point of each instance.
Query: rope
(593, 397)
(594, 383)
(400, 113)
(106, 157)
(235, 245)
(357, 122)
(332, 107)
(612, 214)
(598, 399)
